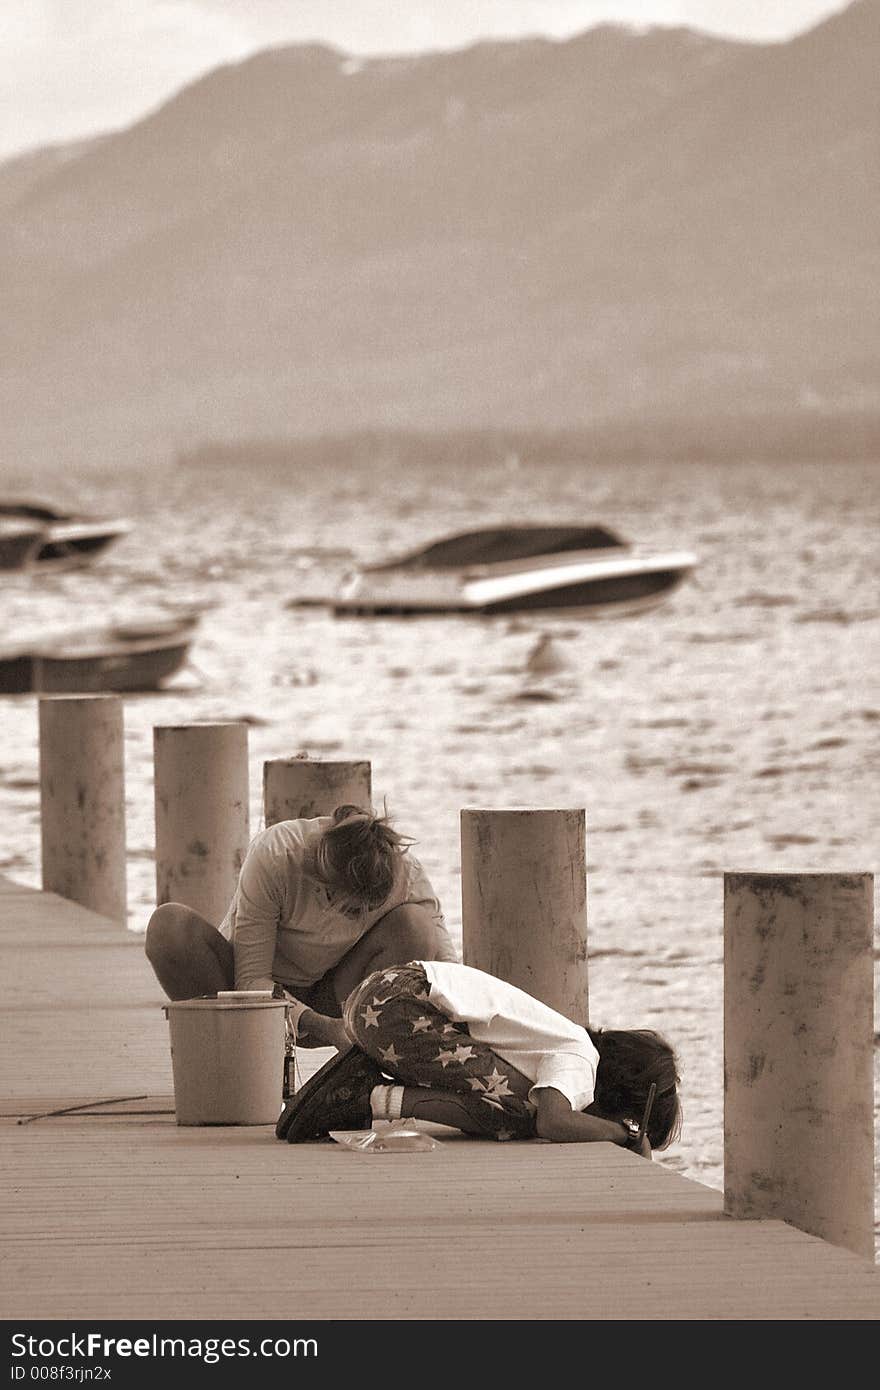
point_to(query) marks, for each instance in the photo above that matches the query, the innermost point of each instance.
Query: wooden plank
(31, 907)
(138, 1212)
(251, 1174)
(81, 1008)
(723, 1270)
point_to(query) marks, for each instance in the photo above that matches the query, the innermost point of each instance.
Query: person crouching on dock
(320, 904)
(441, 1041)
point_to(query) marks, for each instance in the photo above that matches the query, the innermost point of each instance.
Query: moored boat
(66, 539)
(516, 568)
(129, 657)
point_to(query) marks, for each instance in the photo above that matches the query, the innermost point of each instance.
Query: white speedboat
(68, 539)
(506, 569)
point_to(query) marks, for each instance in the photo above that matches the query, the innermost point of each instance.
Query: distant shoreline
(765, 438)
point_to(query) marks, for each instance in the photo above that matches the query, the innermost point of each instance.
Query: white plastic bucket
(227, 1057)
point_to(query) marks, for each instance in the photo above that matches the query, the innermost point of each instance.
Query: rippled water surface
(735, 727)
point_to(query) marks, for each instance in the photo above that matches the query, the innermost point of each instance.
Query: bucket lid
(230, 999)
(245, 994)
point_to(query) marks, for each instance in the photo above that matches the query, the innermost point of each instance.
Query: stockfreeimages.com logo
(95, 1346)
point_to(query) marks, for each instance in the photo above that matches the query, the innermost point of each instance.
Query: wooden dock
(117, 1213)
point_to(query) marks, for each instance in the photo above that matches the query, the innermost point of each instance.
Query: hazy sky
(75, 67)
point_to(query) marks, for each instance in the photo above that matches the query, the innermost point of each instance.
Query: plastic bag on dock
(401, 1136)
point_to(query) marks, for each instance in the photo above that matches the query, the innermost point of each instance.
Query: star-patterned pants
(390, 1016)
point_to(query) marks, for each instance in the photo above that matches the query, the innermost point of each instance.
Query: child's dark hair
(357, 857)
(629, 1060)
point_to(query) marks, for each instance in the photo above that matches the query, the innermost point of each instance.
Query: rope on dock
(86, 1105)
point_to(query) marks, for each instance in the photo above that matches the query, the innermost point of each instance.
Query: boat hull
(89, 673)
(618, 585)
(18, 546)
(66, 547)
(625, 591)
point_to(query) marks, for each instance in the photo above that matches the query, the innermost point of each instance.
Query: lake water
(735, 727)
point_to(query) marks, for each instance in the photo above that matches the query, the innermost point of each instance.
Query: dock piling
(202, 813)
(295, 788)
(82, 801)
(798, 1054)
(524, 901)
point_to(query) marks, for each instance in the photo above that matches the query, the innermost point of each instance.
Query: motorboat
(68, 539)
(504, 569)
(128, 656)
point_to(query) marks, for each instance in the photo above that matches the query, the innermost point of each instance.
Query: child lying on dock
(439, 1041)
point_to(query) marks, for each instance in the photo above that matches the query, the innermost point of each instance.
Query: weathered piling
(82, 800)
(524, 901)
(295, 788)
(202, 813)
(798, 1052)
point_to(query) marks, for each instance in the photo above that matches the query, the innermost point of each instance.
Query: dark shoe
(336, 1097)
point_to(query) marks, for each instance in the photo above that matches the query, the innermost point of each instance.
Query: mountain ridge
(589, 234)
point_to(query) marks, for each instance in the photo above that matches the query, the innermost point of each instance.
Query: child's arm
(557, 1121)
(321, 1029)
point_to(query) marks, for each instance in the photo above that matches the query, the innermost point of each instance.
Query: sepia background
(290, 286)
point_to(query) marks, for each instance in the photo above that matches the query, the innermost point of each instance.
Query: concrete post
(82, 801)
(295, 788)
(202, 814)
(798, 1052)
(524, 902)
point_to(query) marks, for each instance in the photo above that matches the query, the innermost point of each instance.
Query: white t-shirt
(545, 1046)
(284, 926)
